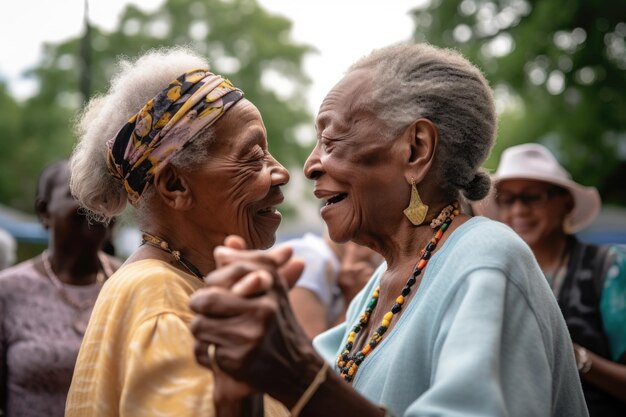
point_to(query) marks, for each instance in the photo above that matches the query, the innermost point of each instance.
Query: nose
(518, 206)
(279, 175)
(313, 165)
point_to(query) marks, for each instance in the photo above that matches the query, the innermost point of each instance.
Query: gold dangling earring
(416, 211)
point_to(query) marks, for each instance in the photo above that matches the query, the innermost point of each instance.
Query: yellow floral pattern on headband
(165, 125)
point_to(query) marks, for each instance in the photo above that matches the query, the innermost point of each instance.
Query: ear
(423, 138)
(41, 207)
(569, 204)
(173, 188)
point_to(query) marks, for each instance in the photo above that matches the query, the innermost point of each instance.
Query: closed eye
(327, 143)
(257, 152)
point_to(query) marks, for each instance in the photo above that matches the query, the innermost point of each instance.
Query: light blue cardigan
(482, 336)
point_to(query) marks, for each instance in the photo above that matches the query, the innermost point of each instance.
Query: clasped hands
(244, 313)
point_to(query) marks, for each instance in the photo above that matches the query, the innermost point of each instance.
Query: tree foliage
(242, 41)
(559, 72)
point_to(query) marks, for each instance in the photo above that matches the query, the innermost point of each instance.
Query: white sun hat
(532, 161)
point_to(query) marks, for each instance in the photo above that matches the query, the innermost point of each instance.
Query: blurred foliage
(242, 41)
(559, 73)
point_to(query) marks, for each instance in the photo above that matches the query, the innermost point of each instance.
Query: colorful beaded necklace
(347, 363)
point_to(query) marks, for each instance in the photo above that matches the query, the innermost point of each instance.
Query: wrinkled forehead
(348, 103)
(351, 95)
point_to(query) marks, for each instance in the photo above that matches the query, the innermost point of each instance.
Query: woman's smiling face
(353, 165)
(534, 209)
(238, 188)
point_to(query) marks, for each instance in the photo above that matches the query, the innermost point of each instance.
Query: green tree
(27, 146)
(242, 41)
(559, 72)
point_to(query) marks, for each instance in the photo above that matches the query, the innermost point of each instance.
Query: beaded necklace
(348, 363)
(157, 242)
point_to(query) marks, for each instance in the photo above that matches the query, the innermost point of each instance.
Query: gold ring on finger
(211, 352)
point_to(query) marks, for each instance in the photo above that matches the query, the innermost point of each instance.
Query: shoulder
(485, 254)
(23, 268)
(151, 282)
(485, 243)
(19, 275)
(142, 291)
(151, 272)
(489, 256)
(606, 263)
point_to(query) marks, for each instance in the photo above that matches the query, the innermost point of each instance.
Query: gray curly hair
(135, 82)
(415, 81)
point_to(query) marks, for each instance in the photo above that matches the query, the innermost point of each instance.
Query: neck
(76, 265)
(197, 250)
(551, 252)
(403, 246)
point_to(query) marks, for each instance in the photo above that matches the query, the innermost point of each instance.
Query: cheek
(381, 202)
(246, 187)
(554, 223)
(365, 157)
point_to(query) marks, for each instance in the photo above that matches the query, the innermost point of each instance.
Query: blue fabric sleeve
(474, 361)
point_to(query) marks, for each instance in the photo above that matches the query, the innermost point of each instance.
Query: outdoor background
(558, 70)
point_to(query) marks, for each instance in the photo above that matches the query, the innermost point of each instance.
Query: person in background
(538, 199)
(46, 302)
(333, 274)
(8, 249)
(458, 321)
(186, 149)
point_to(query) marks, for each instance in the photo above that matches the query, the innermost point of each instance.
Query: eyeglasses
(531, 199)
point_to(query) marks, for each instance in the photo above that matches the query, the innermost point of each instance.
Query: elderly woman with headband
(537, 197)
(189, 152)
(458, 321)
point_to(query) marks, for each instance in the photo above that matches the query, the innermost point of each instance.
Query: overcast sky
(341, 30)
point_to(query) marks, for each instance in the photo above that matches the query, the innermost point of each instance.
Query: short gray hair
(135, 82)
(412, 81)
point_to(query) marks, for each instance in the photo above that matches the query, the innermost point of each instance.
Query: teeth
(335, 199)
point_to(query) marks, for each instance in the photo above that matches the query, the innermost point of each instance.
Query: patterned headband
(165, 125)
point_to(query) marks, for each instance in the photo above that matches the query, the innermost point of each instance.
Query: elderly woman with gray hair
(458, 321)
(190, 153)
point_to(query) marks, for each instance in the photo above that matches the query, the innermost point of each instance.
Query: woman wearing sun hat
(537, 197)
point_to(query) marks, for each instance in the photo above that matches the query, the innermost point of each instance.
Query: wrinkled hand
(234, 251)
(245, 312)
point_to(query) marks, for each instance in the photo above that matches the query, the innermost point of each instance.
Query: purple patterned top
(39, 341)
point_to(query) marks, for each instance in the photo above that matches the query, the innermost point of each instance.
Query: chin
(268, 243)
(338, 234)
(530, 238)
(261, 240)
